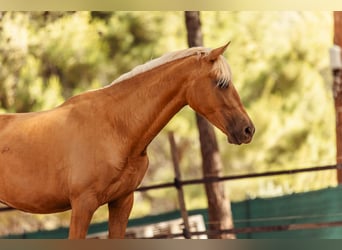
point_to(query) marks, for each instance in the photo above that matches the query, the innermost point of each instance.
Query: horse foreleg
(119, 211)
(82, 212)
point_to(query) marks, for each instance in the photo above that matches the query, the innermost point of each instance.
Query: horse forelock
(222, 71)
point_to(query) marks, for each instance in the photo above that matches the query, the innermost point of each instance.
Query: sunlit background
(280, 68)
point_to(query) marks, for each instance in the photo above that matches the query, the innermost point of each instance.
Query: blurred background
(280, 67)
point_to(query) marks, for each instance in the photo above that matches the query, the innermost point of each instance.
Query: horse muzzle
(244, 135)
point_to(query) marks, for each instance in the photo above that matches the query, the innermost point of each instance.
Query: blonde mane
(169, 57)
(221, 68)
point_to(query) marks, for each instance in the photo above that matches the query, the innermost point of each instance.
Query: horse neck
(144, 104)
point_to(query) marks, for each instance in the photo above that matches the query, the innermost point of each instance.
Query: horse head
(213, 95)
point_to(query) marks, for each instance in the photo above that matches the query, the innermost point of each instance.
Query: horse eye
(222, 83)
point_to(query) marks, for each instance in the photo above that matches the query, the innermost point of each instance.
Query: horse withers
(91, 150)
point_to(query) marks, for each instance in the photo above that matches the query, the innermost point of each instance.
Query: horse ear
(215, 53)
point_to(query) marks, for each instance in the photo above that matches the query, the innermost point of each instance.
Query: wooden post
(219, 210)
(337, 93)
(181, 200)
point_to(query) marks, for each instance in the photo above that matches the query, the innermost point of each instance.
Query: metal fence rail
(177, 183)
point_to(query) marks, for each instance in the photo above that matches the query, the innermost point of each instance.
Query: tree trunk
(219, 211)
(337, 93)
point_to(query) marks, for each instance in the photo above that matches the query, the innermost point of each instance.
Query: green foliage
(280, 67)
(22, 87)
(75, 50)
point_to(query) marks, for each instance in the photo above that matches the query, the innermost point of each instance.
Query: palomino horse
(91, 150)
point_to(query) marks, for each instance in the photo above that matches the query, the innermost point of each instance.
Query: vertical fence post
(181, 200)
(335, 63)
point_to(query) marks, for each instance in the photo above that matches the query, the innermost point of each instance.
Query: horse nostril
(249, 131)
